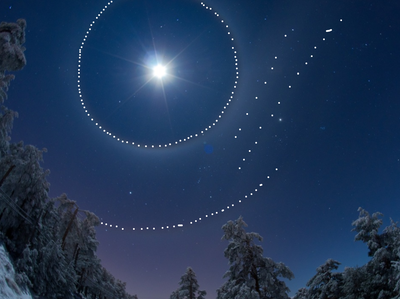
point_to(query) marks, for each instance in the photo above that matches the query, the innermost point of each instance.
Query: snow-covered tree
(12, 58)
(383, 248)
(378, 279)
(49, 272)
(251, 275)
(355, 283)
(325, 284)
(175, 295)
(396, 266)
(301, 294)
(189, 287)
(23, 193)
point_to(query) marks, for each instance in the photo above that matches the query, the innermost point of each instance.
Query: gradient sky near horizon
(313, 125)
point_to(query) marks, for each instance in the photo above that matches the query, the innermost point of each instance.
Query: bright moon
(159, 71)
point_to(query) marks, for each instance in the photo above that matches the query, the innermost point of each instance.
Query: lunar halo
(160, 72)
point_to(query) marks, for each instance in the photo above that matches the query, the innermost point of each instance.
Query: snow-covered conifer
(12, 58)
(301, 294)
(355, 283)
(250, 274)
(383, 248)
(189, 287)
(325, 284)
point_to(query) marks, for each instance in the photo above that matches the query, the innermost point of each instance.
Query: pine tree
(175, 295)
(250, 274)
(326, 284)
(24, 194)
(378, 279)
(384, 249)
(189, 287)
(301, 294)
(12, 58)
(355, 283)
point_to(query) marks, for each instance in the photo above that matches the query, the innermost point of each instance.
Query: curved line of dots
(305, 62)
(198, 220)
(202, 132)
(232, 205)
(179, 225)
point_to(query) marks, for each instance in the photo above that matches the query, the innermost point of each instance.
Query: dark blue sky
(332, 131)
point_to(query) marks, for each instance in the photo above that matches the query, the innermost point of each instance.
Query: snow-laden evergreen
(9, 288)
(325, 284)
(251, 275)
(189, 287)
(378, 279)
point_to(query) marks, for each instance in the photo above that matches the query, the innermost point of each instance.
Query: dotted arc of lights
(180, 225)
(198, 220)
(240, 167)
(172, 143)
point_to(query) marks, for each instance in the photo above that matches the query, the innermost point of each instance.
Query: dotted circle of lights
(173, 142)
(249, 150)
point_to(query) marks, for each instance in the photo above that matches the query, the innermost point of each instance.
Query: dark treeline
(51, 241)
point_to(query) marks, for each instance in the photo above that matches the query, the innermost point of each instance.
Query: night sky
(311, 132)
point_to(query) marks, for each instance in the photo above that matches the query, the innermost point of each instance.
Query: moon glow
(159, 71)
